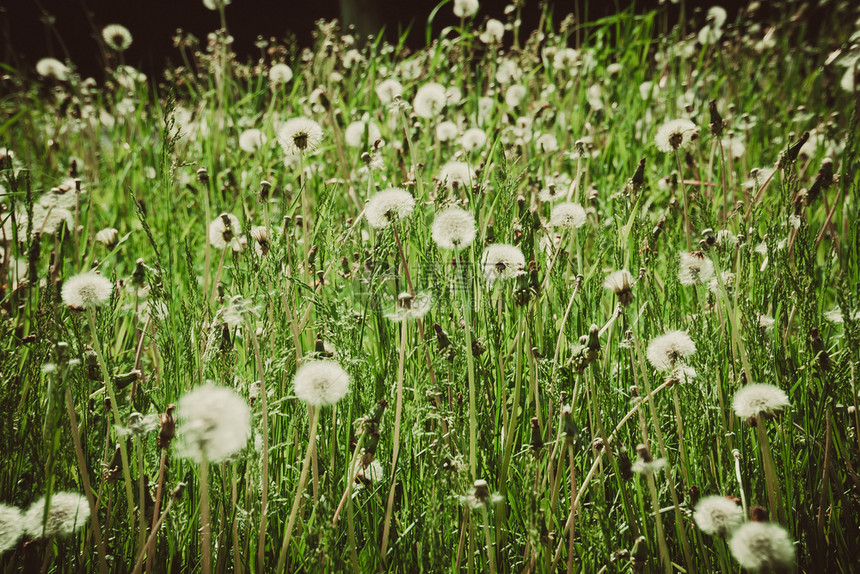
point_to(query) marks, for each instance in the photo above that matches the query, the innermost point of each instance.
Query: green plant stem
(303, 481)
(398, 412)
(205, 519)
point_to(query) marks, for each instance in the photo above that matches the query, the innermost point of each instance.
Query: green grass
(139, 150)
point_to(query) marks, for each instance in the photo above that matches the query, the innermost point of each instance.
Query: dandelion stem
(85, 479)
(126, 473)
(303, 481)
(205, 539)
(470, 366)
(398, 411)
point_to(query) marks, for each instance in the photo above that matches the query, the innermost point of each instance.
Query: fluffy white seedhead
(321, 383)
(762, 545)
(388, 206)
(11, 527)
(117, 37)
(568, 214)
(620, 283)
(473, 138)
(676, 134)
(67, 513)
(695, 268)
(429, 100)
(52, 68)
(388, 89)
(665, 351)
(299, 135)
(718, 515)
(225, 230)
(456, 174)
(356, 131)
(759, 399)
(502, 261)
(86, 290)
(465, 8)
(215, 423)
(251, 140)
(280, 74)
(409, 307)
(453, 228)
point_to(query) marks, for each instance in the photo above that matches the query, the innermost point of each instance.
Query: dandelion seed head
(502, 261)
(718, 515)
(11, 527)
(453, 228)
(117, 37)
(216, 4)
(430, 99)
(409, 307)
(676, 134)
(108, 236)
(252, 140)
(493, 32)
(759, 399)
(52, 68)
(86, 290)
(762, 545)
(665, 351)
(515, 95)
(321, 383)
(356, 132)
(225, 231)
(695, 268)
(473, 139)
(67, 513)
(388, 206)
(620, 283)
(280, 74)
(465, 8)
(299, 135)
(568, 214)
(446, 131)
(215, 423)
(388, 89)
(456, 174)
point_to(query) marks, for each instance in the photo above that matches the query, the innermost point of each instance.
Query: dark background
(26, 37)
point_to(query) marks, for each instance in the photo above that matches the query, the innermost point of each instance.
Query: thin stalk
(488, 540)
(303, 481)
(206, 534)
(85, 479)
(470, 366)
(398, 412)
(661, 538)
(264, 424)
(126, 473)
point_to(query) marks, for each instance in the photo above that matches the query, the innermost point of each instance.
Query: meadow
(578, 298)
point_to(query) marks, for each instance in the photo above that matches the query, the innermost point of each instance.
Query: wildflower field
(579, 298)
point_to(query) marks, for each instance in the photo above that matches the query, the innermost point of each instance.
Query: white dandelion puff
(502, 261)
(52, 68)
(280, 74)
(215, 423)
(695, 268)
(67, 513)
(361, 133)
(299, 135)
(762, 545)
(666, 351)
(429, 100)
(676, 134)
(456, 174)
(117, 37)
(465, 8)
(388, 206)
(224, 231)
(620, 283)
(759, 399)
(409, 307)
(252, 140)
(453, 228)
(11, 527)
(388, 89)
(473, 139)
(568, 214)
(86, 290)
(718, 515)
(646, 464)
(321, 383)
